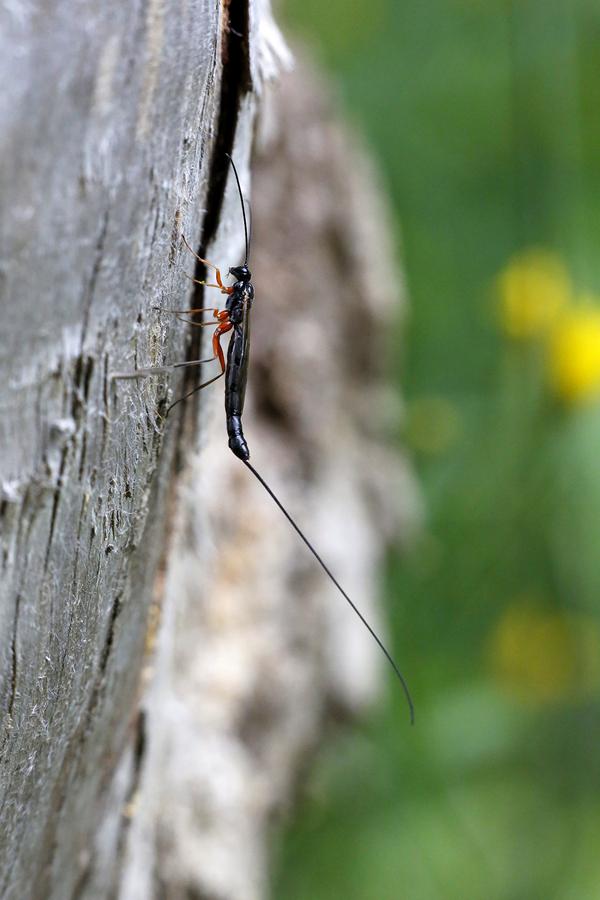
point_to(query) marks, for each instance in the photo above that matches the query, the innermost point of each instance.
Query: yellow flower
(533, 290)
(574, 357)
(544, 656)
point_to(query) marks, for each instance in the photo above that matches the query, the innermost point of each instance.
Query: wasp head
(240, 273)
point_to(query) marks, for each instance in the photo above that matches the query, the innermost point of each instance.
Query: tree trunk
(125, 771)
(114, 120)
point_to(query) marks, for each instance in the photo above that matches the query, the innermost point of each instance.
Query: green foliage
(486, 117)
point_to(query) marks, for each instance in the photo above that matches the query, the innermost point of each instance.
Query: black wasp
(236, 317)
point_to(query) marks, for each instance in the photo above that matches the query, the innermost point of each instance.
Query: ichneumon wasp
(236, 318)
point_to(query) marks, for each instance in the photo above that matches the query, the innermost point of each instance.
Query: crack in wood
(129, 799)
(82, 457)
(13, 657)
(91, 287)
(108, 641)
(55, 504)
(82, 377)
(72, 592)
(235, 83)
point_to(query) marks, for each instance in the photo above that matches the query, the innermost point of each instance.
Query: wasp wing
(244, 354)
(236, 372)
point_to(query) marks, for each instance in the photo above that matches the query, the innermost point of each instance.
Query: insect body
(239, 305)
(236, 317)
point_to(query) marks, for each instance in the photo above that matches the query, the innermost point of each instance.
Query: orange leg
(159, 370)
(187, 312)
(195, 324)
(206, 263)
(220, 330)
(221, 316)
(221, 286)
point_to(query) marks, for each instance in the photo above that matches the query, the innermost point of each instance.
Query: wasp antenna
(242, 204)
(247, 203)
(328, 572)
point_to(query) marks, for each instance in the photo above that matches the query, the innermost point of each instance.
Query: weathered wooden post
(124, 772)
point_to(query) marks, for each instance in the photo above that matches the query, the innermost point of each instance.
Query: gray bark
(126, 772)
(113, 122)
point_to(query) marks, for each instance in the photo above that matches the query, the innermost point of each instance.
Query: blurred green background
(485, 116)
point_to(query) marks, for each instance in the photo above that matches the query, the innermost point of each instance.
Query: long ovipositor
(239, 305)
